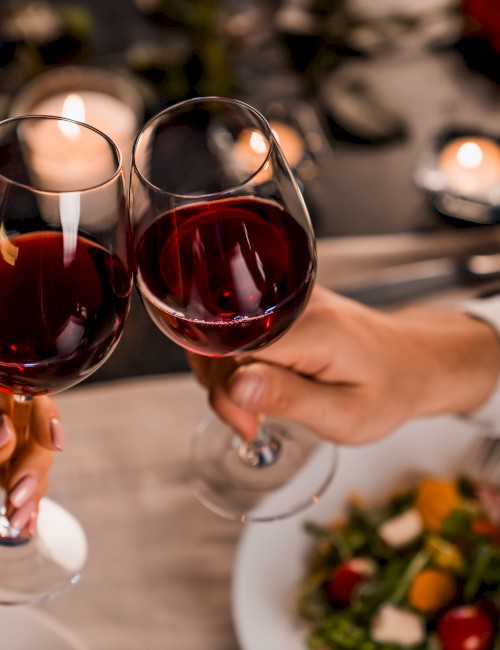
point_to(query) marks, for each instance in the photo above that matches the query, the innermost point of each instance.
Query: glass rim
(110, 179)
(267, 131)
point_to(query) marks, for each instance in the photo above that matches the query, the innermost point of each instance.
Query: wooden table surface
(160, 564)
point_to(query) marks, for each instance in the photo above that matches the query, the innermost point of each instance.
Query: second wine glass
(225, 261)
(66, 281)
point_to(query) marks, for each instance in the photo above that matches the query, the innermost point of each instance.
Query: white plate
(31, 629)
(270, 561)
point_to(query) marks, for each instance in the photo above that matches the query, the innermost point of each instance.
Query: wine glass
(224, 262)
(66, 282)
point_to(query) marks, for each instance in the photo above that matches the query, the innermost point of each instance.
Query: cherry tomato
(485, 527)
(345, 578)
(467, 627)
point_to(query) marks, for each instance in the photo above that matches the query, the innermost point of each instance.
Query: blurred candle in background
(101, 98)
(72, 158)
(251, 148)
(290, 141)
(102, 111)
(65, 155)
(249, 154)
(471, 165)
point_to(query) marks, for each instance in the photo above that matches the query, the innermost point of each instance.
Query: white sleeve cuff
(487, 310)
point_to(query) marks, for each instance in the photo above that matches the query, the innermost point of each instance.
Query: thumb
(273, 390)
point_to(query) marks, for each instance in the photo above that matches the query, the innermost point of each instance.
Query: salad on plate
(419, 571)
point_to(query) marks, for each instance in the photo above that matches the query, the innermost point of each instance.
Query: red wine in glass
(226, 276)
(63, 305)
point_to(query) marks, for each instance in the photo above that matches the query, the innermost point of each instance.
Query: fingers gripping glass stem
(21, 417)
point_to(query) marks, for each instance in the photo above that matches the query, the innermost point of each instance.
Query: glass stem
(20, 417)
(262, 451)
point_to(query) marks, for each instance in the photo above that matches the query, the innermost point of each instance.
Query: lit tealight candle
(101, 111)
(65, 155)
(290, 141)
(100, 98)
(471, 165)
(63, 160)
(251, 149)
(249, 154)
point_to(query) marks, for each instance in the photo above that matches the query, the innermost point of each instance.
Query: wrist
(456, 358)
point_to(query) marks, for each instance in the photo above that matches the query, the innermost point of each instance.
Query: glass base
(46, 565)
(229, 481)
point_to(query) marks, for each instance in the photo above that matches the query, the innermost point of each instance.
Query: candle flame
(74, 109)
(470, 155)
(257, 142)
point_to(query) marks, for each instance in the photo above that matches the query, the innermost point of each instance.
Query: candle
(67, 161)
(101, 111)
(101, 98)
(249, 154)
(471, 165)
(69, 158)
(66, 157)
(251, 148)
(290, 141)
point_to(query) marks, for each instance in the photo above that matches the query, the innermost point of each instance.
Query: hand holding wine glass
(66, 282)
(30, 464)
(355, 374)
(225, 261)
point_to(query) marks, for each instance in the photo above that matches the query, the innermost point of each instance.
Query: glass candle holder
(461, 175)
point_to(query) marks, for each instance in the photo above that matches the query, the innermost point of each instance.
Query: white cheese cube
(393, 625)
(401, 530)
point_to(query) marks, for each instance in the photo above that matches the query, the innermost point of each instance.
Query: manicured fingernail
(246, 388)
(33, 522)
(21, 516)
(6, 429)
(57, 434)
(22, 491)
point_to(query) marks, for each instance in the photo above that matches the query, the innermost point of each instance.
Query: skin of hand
(25, 466)
(354, 374)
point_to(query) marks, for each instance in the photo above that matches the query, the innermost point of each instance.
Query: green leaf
(312, 603)
(419, 561)
(484, 571)
(331, 535)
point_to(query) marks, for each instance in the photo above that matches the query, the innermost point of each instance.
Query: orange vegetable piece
(435, 499)
(431, 589)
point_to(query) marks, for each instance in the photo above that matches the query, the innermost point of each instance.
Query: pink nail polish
(57, 434)
(6, 429)
(22, 491)
(33, 522)
(21, 516)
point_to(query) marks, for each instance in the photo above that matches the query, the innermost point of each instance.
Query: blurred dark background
(370, 86)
